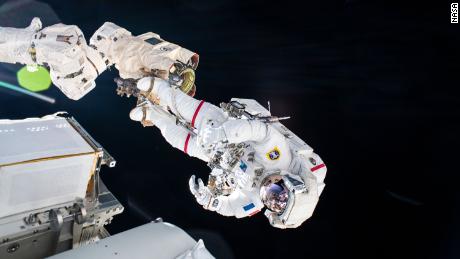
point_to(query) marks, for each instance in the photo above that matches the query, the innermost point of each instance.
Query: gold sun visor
(43, 162)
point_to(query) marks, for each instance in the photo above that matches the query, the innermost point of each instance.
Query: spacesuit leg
(175, 135)
(197, 112)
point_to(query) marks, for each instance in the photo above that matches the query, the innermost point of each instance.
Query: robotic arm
(74, 65)
(140, 56)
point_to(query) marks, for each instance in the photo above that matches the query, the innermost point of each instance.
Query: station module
(53, 202)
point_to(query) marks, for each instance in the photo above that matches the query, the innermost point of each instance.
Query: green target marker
(37, 81)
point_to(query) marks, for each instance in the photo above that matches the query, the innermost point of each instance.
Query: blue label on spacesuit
(249, 206)
(243, 166)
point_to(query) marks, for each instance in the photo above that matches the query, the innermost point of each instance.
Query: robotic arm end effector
(73, 66)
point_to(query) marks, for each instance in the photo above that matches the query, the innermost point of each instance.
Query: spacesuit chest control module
(256, 162)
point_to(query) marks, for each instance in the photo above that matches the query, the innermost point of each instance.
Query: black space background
(371, 85)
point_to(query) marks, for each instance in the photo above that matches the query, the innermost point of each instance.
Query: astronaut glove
(211, 136)
(200, 191)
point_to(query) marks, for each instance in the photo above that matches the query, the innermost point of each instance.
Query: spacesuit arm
(233, 131)
(238, 131)
(239, 203)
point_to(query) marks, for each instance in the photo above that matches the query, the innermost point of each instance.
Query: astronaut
(257, 166)
(256, 162)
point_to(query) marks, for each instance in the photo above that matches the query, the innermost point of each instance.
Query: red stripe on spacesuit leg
(193, 125)
(317, 167)
(196, 113)
(186, 143)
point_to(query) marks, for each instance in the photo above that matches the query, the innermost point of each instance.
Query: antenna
(269, 107)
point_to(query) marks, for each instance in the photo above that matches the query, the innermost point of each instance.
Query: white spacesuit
(269, 171)
(256, 162)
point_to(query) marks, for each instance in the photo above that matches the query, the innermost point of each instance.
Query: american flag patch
(249, 206)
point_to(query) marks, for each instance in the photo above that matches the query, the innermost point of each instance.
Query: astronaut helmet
(274, 193)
